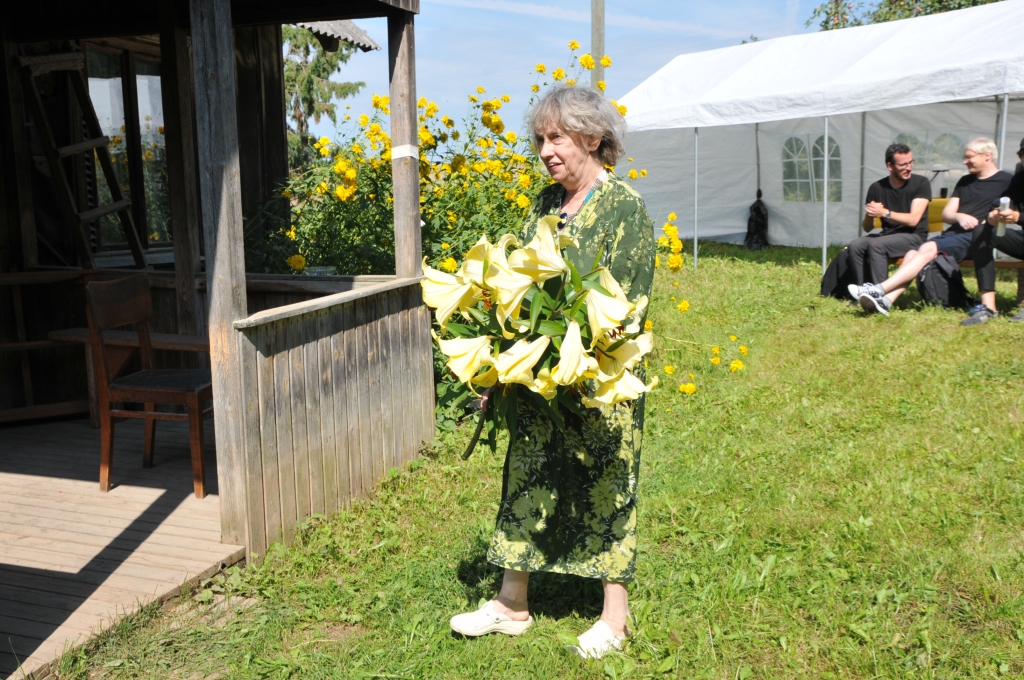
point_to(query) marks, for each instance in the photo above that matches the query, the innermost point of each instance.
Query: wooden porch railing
(336, 391)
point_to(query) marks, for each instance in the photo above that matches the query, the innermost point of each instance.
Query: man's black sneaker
(979, 314)
(871, 304)
(1019, 316)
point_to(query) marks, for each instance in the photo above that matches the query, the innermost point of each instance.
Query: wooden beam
(405, 170)
(213, 65)
(133, 144)
(179, 129)
(16, 160)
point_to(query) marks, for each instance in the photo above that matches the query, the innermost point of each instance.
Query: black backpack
(942, 283)
(838, 276)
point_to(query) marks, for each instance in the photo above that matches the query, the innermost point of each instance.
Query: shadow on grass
(551, 595)
(782, 256)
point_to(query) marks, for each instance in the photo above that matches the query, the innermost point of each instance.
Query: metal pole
(694, 198)
(860, 193)
(597, 40)
(1002, 128)
(824, 202)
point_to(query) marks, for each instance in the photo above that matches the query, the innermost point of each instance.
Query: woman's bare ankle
(517, 611)
(616, 625)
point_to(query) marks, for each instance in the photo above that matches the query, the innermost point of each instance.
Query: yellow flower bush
(476, 177)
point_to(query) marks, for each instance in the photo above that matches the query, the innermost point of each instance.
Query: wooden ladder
(74, 64)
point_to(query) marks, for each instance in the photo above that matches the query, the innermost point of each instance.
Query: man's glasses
(904, 166)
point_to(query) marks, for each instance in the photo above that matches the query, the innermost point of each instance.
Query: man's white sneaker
(597, 641)
(485, 620)
(871, 289)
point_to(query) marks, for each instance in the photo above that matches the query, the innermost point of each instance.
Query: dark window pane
(154, 157)
(106, 93)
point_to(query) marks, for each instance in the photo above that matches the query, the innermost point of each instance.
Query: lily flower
(509, 287)
(605, 314)
(486, 379)
(544, 385)
(574, 361)
(609, 283)
(641, 306)
(446, 293)
(540, 259)
(625, 356)
(515, 365)
(473, 264)
(466, 355)
(627, 387)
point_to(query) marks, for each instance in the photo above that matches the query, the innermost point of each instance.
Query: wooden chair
(119, 303)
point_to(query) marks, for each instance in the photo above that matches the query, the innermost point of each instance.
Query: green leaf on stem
(574, 275)
(552, 328)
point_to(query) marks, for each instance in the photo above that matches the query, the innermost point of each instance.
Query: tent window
(835, 169)
(796, 171)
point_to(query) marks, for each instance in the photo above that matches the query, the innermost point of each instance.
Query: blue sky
(461, 44)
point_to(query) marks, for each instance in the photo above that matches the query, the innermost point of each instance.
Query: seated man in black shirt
(901, 202)
(1012, 241)
(969, 236)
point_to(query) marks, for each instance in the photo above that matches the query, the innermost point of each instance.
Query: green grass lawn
(848, 505)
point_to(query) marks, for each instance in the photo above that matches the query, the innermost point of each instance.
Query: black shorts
(957, 246)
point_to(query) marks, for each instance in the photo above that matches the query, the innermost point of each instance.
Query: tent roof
(964, 54)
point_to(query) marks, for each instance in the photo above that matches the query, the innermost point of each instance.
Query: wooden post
(405, 157)
(179, 129)
(213, 67)
(15, 160)
(596, 40)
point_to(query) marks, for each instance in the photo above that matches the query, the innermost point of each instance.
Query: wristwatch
(888, 214)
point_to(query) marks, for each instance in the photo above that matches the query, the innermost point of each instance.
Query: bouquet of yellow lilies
(530, 319)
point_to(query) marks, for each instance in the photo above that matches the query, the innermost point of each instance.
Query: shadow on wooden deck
(73, 559)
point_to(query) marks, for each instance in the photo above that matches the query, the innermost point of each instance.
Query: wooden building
(320, 384)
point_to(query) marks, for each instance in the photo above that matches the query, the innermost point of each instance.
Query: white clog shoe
(485, 620)
(597, 641)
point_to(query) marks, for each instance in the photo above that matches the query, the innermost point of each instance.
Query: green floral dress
(568, 501)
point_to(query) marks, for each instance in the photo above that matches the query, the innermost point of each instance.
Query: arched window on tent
(917, 147)
(796, 171)
(835, 169)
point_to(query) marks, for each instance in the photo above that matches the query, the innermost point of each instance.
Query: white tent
(762, 110)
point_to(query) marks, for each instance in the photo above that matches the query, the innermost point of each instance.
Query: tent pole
(1002, 128)
(824, 203)
(860, 194)
(694, 198)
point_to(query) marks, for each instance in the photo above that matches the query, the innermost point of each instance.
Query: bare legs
(616, 607)
(913, 262)
(512, 601)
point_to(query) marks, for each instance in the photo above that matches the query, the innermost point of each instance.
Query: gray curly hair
(584, 112)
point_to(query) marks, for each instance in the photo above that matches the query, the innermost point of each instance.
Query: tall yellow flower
(541, 68)
(515, 365)
(296, 262)
(509, 287)
(601, 85)
(604, 314)
(606, 61)
(539, 259)
(573, 45)
(574, 361)
(558, 74)
(446, 293)
(466, 355)
(626, 388)
(587, 62)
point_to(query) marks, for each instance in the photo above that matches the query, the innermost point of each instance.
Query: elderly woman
(568, 502)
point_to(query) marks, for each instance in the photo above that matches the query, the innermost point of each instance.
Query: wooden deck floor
(73, 559)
